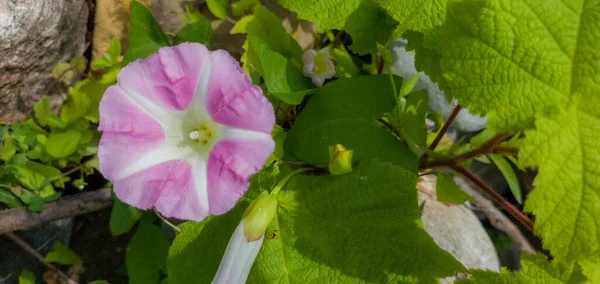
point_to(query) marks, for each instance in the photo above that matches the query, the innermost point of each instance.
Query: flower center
(320, 64)
(202, 134)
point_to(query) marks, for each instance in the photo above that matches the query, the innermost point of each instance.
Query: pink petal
(230, 165)
(170, 77)
(129, 132)
(169, 186)
(231, 98)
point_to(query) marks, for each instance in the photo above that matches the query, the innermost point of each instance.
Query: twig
(39, 257)
(496, 217)
(444, 129)
(389, 126)
(496, 197)
(74, 169)
(82, 203)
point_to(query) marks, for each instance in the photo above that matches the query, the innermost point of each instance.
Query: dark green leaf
(123, 217)
(447, 191)
(146, 254)
(509, 174)
(145, 34)
(199, 31)
(345, 112)
(413, 120)
(369, 25)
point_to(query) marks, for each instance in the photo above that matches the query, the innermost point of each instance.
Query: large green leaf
(354, 228)
(146, 254)
(145, 34)
(536, 270)
(122, 217)
(417, 15)
(62, 143)
(346, 112)
(283, 79)
(591, 268)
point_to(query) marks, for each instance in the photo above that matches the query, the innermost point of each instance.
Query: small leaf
(63, 255)
(62, 143)
(84, 98)
(79, 63)
(122, 217)
(8, 198)
(63, 72)
(344, 65)
(408, 86)
(218, 7)
(240, 7)
(482, 137)
(509, 174)
(26, 277)
(413, 120)
(199, 31)
(447, 191)
(284, 80)
(44, 115)
(145, 34)
(146, 254)
(7, 149)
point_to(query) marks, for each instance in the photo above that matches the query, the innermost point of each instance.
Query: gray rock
(403, 65)
(457, 230)
(34, 36)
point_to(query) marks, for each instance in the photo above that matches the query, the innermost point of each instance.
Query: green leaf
(84, 99)
(344, 65)
(122, 217)
(146, 254)
(374, 219)
(110, 57)
(26, 277)
(567, 188)
(44, 115)
(240, 7)
(536, 270)
(413, 120)
(63, 255)
(145, 34)
(8, 198)
(33, 180)
(447, 191)
(345, 112)
(369, 25)
(513, 59)
(8, 149)
(328, 14)
(62, 143)
(218, 7)
(408, 86)
(591, 268)
(417, 15)
(199, 31)
(284, 80)
(266, 26)
(509, 174)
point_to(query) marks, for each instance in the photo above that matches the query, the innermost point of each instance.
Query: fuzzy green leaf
(346, 112)
(417, 15)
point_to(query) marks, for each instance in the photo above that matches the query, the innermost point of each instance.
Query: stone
(35, 36)
(403, 65)
(456, 229)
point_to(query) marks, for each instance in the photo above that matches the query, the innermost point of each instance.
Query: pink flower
(183, 130)
(318, 66)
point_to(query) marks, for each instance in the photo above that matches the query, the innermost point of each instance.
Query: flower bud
(258, 216)
(340, 160)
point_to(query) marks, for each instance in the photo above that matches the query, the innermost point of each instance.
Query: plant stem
(444, 129)
(380, 68)
(496, 197)
(23, 244)
(166, 221)
(283, 181)
(297, 163)
(389, 126)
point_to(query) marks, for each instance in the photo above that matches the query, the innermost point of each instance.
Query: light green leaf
(146, 254)
(145, 34)
(284, 80)
(567, 188)
(110, 58)
(481, 138)
(84, 98)
(512, 59)
(63, 255)
(408, 86)
(240, 7)
(122, 217)
(62, 143)
(199, 31)
(413, 120)
(536, 270)
(266, 26)
(345, 112)
(447, 191)
(8, 149)
(591, 268)
(26, 277)
(509, 174)
(328, 14)
(373, 219)
(44, 115)
(34, 180)
(417, 15)
(218, 7)
(8, 198)
(344, 65)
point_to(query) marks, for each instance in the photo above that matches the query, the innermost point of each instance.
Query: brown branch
(444, 129)
(496, 217)
(39, 257)
(496, 197)
(82, 203)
